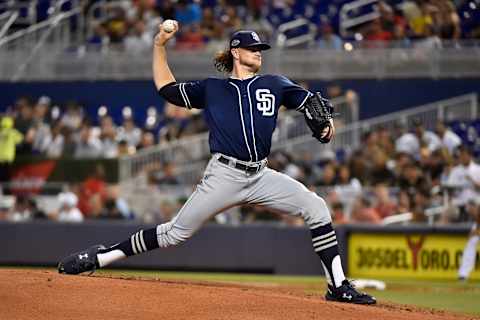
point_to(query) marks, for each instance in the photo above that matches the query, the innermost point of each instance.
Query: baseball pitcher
(241, 113)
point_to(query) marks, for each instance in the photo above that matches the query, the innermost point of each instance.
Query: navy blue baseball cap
(247, 39)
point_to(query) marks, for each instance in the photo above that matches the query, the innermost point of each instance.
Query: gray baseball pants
(223, 187)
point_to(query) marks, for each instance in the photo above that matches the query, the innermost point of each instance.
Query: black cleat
(82, 261)
(347, 293)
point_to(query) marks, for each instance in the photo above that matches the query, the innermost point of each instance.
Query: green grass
(444, 295)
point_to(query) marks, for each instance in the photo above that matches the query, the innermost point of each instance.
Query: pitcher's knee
(169, 234)
(316, 210)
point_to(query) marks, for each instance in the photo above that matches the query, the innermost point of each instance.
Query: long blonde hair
(223, 61)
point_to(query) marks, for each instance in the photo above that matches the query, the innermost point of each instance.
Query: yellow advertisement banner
(421, 256)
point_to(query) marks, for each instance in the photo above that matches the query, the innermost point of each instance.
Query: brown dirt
(40, 294)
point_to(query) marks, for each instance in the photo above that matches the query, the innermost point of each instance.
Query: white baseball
(168, 25)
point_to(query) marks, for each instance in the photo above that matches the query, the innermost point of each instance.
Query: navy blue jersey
(241, 114)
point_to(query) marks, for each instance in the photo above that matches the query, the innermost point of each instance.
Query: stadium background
(100, 154)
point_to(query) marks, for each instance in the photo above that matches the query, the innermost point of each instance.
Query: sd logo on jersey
(265, 102)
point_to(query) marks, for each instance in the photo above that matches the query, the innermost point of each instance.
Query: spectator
(123, 149)
(110, 211)
(24, 114)
(87, 145)
(450, 21)
(5, 206)
(73, 116)
(294, 171)
(55, 141)
(108, 137)
(100, 36)
(142, 10)
(399, 37)
(347, 188)
(41, 111)
(70, 143)
(190, 38)
(426, 137)
(385, 141)
(387, 17)
(465, 176)
(167, 175)
(328, 39)
(173, 123)
(370, 150)
(406, 142)
(433, 164)
(384, 206)
(21, 210)
(379, 172)
(129, 132)
(421, 202)
(358, 166)
(414, 186)
(37, 213)
(148, 140)
(450, 139)
(9, 139)
(116, 24)
(188, 13)
(211, 28)
(402, 160)
(94, 185)
(230, 20)
(328, 176)
(68, 211)
(363, 212)
(119, 207)
(376, 33)
(138, 40)
(166, 9)
(338, 214)
(419, 19)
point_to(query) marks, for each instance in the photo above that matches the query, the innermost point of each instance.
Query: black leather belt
(240, 166)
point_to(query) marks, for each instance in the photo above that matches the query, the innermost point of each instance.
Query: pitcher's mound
(37, 294)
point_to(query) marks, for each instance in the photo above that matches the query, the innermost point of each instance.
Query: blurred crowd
(55, 131)
(404, 172)
(398, 170)
(92, 199)
(424, 23)
(428, 21)
(395, 171)
(132, 24)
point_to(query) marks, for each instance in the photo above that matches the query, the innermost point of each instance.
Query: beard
(252, 66)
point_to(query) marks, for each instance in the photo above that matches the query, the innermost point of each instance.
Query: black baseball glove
(318, 112)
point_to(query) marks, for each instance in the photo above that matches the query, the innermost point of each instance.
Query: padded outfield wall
(377, 97)
(367, 251)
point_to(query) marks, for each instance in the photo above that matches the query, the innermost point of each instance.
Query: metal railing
(28, 9)
(19, 49)
(9, 17)
(28, 37)
(347, 22)
(306, 38)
